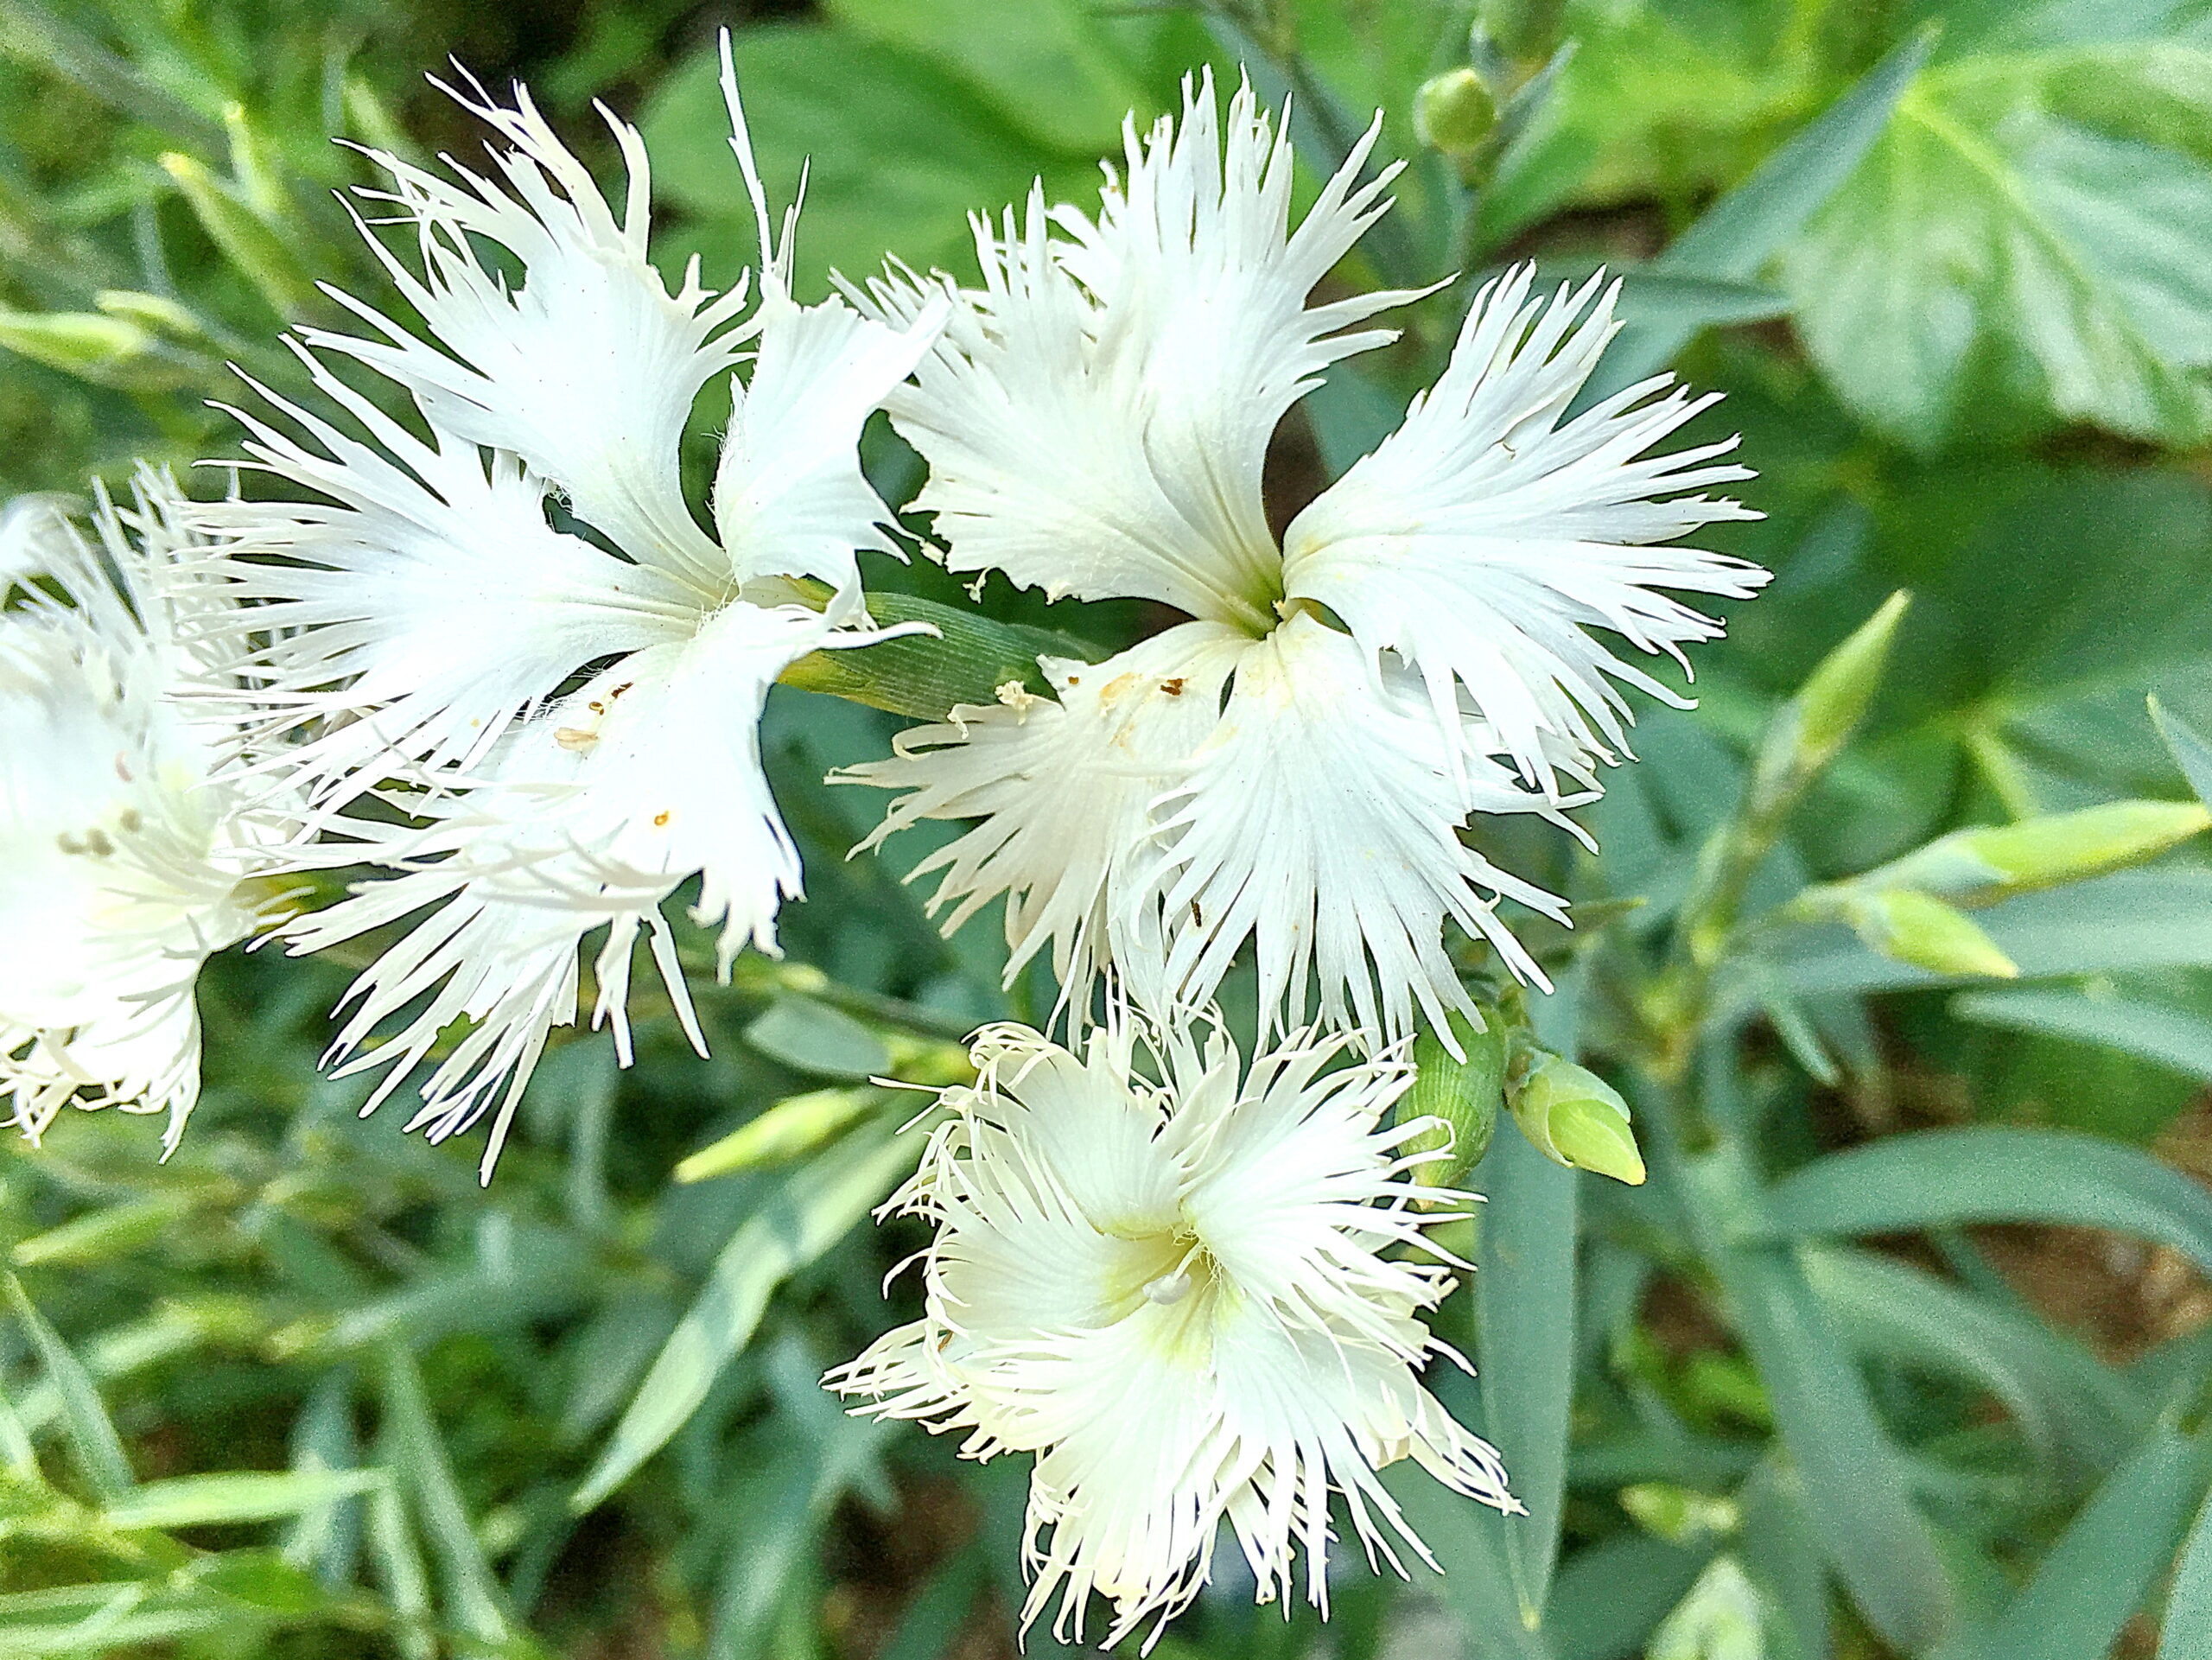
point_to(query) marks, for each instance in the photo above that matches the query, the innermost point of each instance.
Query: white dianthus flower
(1296, 762)
(1183, 1298)
(574, 710)
(122, 845)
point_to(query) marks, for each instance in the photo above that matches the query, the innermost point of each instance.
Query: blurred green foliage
(305, 1389)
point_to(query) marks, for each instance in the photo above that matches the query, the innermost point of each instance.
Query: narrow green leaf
(1857, 1485)
(2056, 1389)
(1939, 1177)
(967, 659)
(1610, 1598)
(810, 1036)
(1746, 227)
(2190, 751)
(1524, 1345)
(2187, 1631)
(202, 1501)
(417, 1458)
(92, 1440)
(398, 1560)
(2106, 1562)
(1469, 1541)
(326, 1537)
(16, 1446)
(2133, 920)
(104, 1233)
(817, 1206)
(2172, 1037)
(934, 1619)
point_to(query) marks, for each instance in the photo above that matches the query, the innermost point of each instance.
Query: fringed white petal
(1098, 416)
(121, 848)
(790, 497)
(422, 607)
(594, 813)
(1176, 1297)
(1065, 791)
(1488, 537)
(1320, 822)
(587, 369)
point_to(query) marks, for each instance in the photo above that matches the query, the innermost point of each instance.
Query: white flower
(1294, 767)
(573, 716)
(122, 844)
(1182, 1299)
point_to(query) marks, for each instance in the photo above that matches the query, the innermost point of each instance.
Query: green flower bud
(153, 311)
(109, 351)
(1462, 1091)
(1816, 723)
(1909, 927)
(1991, 862)
(1679, 1515)
(1455, 112)
(246, 239)
(1573, 1118)
(792, 1127)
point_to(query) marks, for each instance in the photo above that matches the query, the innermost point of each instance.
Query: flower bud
(1819, 720)
(1464, 1094)
(792, 1127)
(1909, 927)
(1455, 112)
(1573, 1118)
(109, 351)
(153, 311)
(246, 239)
(1995, 861)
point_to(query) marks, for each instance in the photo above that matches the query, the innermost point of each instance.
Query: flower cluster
(471, 633)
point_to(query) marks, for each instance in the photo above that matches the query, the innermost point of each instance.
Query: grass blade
(98, 1448)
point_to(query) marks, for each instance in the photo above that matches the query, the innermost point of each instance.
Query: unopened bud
(1455, 112)
(153, 311)
(1679, 1514)
(1573, 1118)
(1819, 720)
(247, 240)
(792, 1127)
(1909, 927)
(1463, 1093)
(1991, 862)
(111, 351)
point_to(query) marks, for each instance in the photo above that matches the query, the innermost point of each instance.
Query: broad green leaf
(1721, 1618)
(2173, 1037)
(1661, 101)
(2012, 252)
(418, 1459)
(1739, 234)
(202, 1501)
(2106, 1562)
(1939, 1177)
(815, 1209)
(2187, 1630)
(98, 1448)
(1524, 1345)
(1064, 72)
(896, 170)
